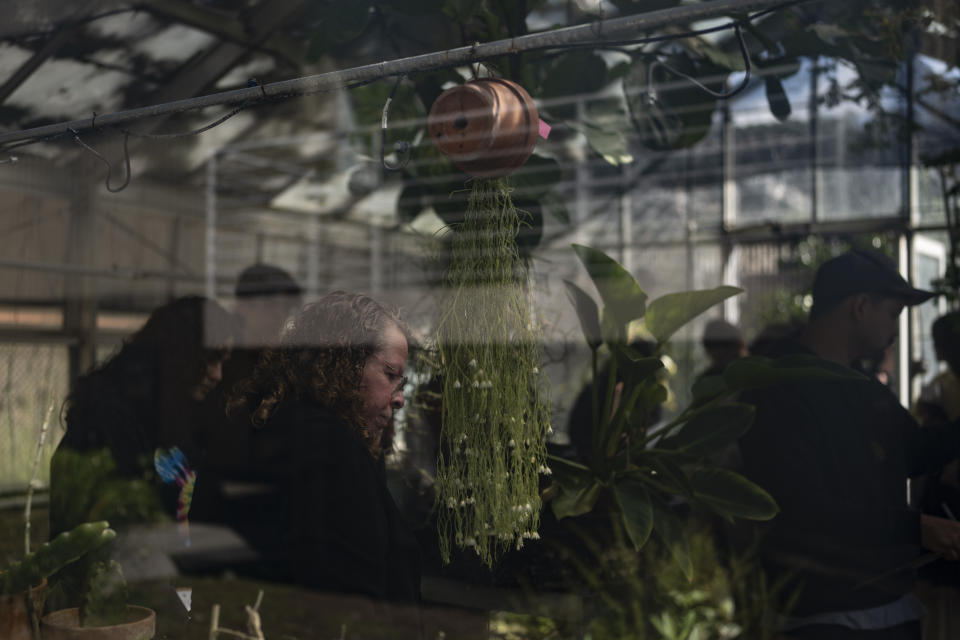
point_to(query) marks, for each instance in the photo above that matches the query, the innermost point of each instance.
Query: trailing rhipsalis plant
(495, 411)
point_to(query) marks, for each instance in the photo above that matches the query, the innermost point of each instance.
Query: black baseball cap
(863, 271)
(266, 280)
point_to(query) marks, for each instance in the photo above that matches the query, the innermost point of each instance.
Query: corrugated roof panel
(66, 89)
(11, 58)
(129, 26)
(174, 44)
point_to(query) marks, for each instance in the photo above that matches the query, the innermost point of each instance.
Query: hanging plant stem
(495, 412)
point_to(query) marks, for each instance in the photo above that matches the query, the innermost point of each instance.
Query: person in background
(835, 453)
(723, 343)
(939, 400)
(143, 399)
(266, 296)
(938, 494)
(324, 399)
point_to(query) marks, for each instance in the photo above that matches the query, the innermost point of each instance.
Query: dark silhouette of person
(265, 297)
(723, 343)
(835, 453)
(144, 398)
(321, 403)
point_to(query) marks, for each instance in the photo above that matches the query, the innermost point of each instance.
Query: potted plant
(22, 583)
(103, 612)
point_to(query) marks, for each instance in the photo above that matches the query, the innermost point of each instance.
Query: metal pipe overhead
(626, 27)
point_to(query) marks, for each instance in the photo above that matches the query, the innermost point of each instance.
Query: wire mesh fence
(33, 378)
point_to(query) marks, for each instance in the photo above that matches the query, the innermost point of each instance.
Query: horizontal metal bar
(626, 27)
(125, 273)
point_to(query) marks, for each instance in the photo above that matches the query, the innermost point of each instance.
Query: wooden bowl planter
(487, 127)
(16, 611)
(65, 625)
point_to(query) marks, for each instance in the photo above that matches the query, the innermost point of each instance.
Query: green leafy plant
(633, 470)
(637, 469)
(104, 600)
(51, 556)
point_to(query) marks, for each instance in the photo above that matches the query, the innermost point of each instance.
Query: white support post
(211, 228)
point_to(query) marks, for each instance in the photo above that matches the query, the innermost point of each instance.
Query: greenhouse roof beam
(601, 32)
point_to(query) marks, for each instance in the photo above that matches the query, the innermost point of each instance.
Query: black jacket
(835, 455)
(334, 525)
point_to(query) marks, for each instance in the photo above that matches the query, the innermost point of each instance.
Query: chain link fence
(33, 382)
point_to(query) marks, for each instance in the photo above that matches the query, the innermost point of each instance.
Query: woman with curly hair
(321, 405)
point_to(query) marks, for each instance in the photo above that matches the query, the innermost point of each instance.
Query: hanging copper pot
(487, 127)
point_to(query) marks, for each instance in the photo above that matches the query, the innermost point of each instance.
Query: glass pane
(773, 159)
(860, 149)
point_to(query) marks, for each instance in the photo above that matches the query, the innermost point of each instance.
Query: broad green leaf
(635, 509)
(575, 501)
(732, 495)
(755, 372)
(634, 367)
(567, 466)
(669, 530)
(668, 313)
(612, 328)
(777, 98)
(668, 473)
(706, 388)
(587, 312)
(608, 142)
(621, 294)
(710, 431)
(578, 489)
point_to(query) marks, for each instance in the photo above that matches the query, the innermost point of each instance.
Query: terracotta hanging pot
(487, 127)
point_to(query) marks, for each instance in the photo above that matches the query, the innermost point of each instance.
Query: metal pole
(627, 27)
(211, 228)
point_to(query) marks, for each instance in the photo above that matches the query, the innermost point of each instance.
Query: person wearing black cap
(835, 454)
(266, 296)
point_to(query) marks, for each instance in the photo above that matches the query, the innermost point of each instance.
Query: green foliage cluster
(51, 556)
(86, 487)
(494, 405)
(634, 471)
(104, 600)
(647, 596)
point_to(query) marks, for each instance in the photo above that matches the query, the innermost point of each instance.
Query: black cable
(126, 157)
